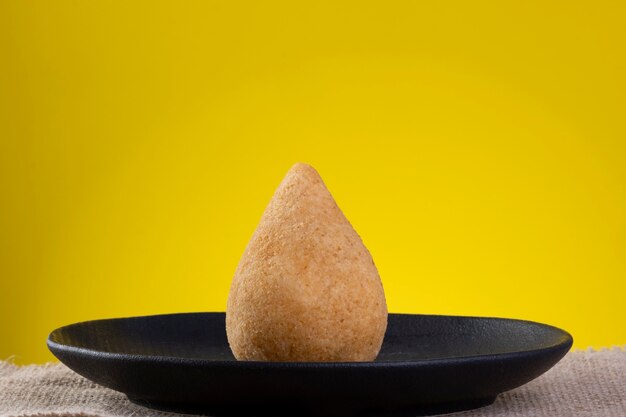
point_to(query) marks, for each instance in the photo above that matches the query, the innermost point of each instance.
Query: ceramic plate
(427, 365)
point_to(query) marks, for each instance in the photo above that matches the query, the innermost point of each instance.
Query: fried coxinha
(306, 287)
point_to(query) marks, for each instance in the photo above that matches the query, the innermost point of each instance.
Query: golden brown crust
(306, 288)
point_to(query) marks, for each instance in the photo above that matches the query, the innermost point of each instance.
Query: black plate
(427, 365)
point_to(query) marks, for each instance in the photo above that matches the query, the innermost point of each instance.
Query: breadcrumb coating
(306, 287)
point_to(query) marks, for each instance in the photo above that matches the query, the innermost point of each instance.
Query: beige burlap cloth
(585, 383)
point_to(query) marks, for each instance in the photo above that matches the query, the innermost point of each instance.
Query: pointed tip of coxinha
(302, 198)
(303, 168)
(306, 288)
(302, 175)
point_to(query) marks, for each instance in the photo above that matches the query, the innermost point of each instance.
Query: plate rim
(567, 341)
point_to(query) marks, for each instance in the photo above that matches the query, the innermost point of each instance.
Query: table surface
(584, 384)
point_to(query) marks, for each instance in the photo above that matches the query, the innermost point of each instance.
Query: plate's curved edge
(54, 347)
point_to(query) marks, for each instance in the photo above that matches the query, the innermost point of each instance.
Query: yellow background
(479, 149)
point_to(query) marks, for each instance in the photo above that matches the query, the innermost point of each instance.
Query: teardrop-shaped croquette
(306, 287)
